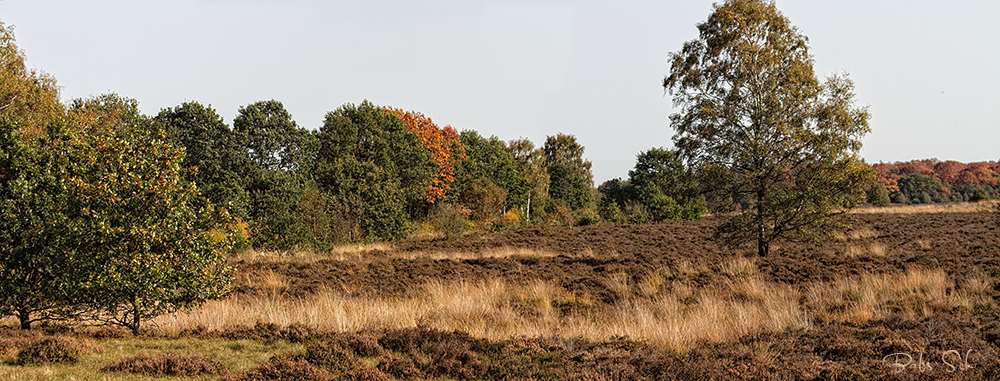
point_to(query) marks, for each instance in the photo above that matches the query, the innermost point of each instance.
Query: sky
(929, 71)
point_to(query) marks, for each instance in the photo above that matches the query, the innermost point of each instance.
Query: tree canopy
(212, 151)
(29, 98)
(767, 139)
(570, 176)
(374, 168)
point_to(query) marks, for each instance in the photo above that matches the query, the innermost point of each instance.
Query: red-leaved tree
(442, 143)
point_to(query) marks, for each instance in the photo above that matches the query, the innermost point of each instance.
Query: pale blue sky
(929, 70)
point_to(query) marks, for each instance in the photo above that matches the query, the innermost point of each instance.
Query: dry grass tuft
(854, 235)
(869, 250)
(500, 252)
(915, 294)
(923, 244)
(651, 283)
(619, 284)
(494, 309)
(352, 252)
(739, 266)
(955, 207)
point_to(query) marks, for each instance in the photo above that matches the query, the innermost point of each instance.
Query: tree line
(933, 181)
(110, 215)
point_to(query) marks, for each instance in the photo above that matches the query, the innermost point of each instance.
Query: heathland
(905, 293)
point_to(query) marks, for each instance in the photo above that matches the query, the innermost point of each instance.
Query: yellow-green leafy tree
(29, 98)
(766, 138)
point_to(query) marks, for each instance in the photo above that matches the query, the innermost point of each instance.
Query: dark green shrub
(610, 212)
(878, 195)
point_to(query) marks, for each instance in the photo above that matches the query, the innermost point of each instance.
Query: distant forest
(933, 181)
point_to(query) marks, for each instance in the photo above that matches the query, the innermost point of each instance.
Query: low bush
(51, 350)
(331, 356)
(282, 367)
(167, 364)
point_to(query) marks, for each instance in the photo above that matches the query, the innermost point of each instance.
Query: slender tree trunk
(762, 244)
(135, 317)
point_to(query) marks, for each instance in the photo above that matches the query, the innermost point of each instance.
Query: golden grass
(495, 309)
(914, 294)
(870, 250)
(954, 207)
(739, 266)
(500, 252)
(353, 252)
(361, 253)
(854, 235)
(670, 313)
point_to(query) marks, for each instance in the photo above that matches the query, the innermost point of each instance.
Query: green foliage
(767, 140)
(148, 249)
(610, 212)
(450, 220)
(487, 201)
(213, 149)
(923, 189)
(586, 216)
(663, 185)
(570, 177)
(38, 276)
(568, 188)
(532, 162)
(110, 112)
(565, 150)
(616, 192)
(281, 156)
(975, 193)
(28, 98)
(491, 160)
(878, 195)
(373, 170)
(102, 223)
(659, 188)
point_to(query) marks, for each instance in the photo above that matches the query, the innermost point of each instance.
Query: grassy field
(905, 293)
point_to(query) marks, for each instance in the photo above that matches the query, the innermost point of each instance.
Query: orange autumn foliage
(442, 143)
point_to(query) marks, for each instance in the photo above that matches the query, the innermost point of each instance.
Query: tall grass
(670, 313)
(952, 207)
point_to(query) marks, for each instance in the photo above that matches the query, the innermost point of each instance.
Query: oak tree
(280, 155)
(372, 168)
(489, 159)
(212, 150)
